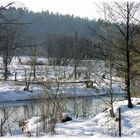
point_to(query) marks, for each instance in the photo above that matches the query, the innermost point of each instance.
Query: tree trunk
(128, 60)
(5, 71)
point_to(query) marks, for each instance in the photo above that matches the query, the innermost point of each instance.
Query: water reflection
(80, 107)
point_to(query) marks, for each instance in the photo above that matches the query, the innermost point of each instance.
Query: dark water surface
(80, 107)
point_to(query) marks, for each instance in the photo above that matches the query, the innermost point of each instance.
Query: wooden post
(119, 122)
(1, 128)
(15, 76)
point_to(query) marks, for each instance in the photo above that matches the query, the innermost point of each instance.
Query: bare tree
(123, 17)
(11, 37)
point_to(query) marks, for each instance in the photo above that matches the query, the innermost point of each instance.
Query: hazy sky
(82, 8)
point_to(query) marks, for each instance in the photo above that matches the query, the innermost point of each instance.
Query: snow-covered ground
(13, 91)
(57, 76)
(102, 125)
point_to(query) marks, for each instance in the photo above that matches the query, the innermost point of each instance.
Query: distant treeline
(54, 34)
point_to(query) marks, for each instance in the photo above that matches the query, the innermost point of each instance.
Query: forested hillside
(51, 32)
(47, 23)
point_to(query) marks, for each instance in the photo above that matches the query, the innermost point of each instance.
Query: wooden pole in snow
(119, 122)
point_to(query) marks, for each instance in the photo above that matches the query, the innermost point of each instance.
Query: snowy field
(57, 77)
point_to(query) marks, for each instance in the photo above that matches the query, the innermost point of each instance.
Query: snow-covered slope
(101, 125)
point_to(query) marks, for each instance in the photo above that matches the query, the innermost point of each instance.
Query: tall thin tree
(123, 17)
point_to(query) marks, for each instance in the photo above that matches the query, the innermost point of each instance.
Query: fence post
(119, 122)
(1, 128)
(15, 76)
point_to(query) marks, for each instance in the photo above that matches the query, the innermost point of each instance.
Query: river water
(80, 107)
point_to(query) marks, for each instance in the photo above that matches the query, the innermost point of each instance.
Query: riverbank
(13, 91)
(102, 125)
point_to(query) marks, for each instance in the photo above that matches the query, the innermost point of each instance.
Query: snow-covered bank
(101, 125)
(13, 91)
(18, 96)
